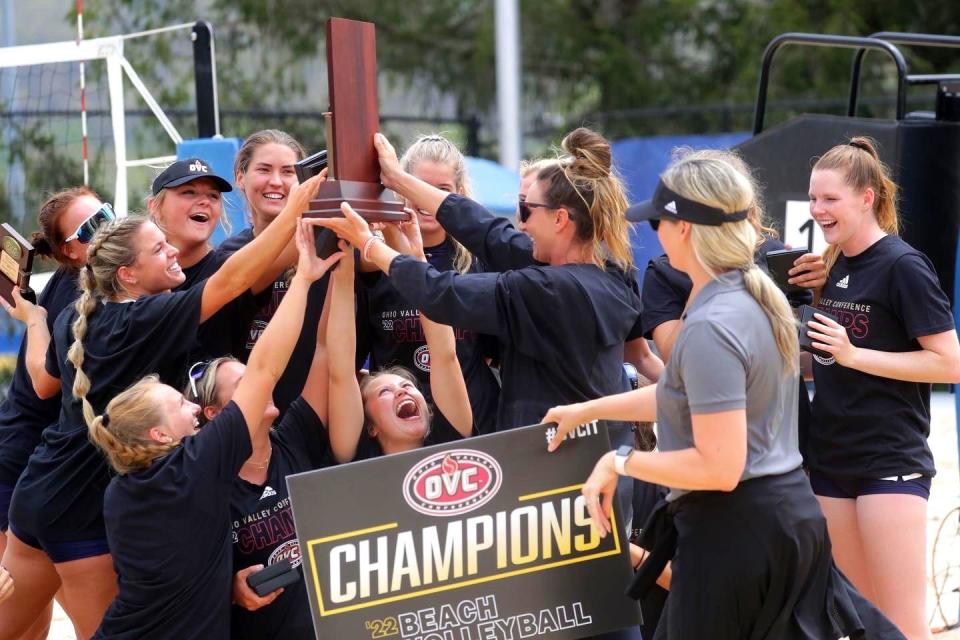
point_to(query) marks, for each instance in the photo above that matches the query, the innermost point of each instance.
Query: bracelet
(365, 250)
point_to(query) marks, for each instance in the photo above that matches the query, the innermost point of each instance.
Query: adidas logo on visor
(671, 207)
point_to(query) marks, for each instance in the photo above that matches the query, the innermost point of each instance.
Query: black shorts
(830, 486)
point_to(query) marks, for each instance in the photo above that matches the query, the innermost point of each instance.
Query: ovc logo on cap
(199, 166)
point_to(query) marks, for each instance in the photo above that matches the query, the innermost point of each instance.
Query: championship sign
(481, 539)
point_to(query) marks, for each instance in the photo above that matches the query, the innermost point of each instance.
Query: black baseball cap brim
(667, 204)
(188, 170)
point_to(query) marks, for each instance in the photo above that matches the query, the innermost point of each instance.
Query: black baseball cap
(184, 171)
(670, 205)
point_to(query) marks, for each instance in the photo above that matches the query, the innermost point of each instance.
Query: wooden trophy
(354, 171)
(16, 262)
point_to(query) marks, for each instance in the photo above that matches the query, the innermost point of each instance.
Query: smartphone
(269, 579)
(806, 315)
(779, 264)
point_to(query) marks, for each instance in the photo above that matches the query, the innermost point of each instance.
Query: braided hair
(121, 432)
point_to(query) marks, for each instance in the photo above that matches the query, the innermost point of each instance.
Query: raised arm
(251, 265)
(315, 388)
(465, 301)
(272, 352)
(346, 414)
(492, 239)
(38, 342)
(446, 376)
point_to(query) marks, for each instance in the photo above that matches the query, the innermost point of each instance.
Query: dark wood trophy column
(352, 76)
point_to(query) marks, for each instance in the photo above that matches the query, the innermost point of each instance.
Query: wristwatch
(620, 458)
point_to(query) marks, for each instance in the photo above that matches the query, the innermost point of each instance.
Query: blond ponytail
(86, 304)
(778, 312)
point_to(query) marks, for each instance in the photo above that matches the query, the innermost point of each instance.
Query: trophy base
(370, 200)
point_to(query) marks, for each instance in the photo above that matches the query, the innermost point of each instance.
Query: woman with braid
(126, 324)
(175, 482)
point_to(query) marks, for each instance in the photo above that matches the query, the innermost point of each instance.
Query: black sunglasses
(86, 230)
(654, 223)
(524, 208)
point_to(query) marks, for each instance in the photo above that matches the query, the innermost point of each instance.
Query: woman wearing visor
(68, 220)
(126, 324)
(748, 544)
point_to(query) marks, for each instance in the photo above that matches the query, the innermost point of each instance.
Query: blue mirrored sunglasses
(84, 233)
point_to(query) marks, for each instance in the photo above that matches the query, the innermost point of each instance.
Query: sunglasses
(195, 373)
(84, 233)
(525, 207)
(654, 223)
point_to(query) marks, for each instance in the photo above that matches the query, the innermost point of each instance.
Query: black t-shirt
(263, 529)
(561, 328)
(224, 333)
(388, 328)
(665, 289)
(66, 475)
(290, 385)
(169, 532)
(24, 416)
(864, 425)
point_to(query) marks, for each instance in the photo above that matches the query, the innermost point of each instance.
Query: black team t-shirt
(60, 495)
(223, 334)
(863, 425)
(263, 530)
(169, 532)
(290, 385)
(389, 329)
(24, 416)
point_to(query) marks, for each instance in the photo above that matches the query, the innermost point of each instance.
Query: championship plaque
(16, 262)
(354, 169)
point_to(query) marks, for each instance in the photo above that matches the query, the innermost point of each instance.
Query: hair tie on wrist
(368, 243)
